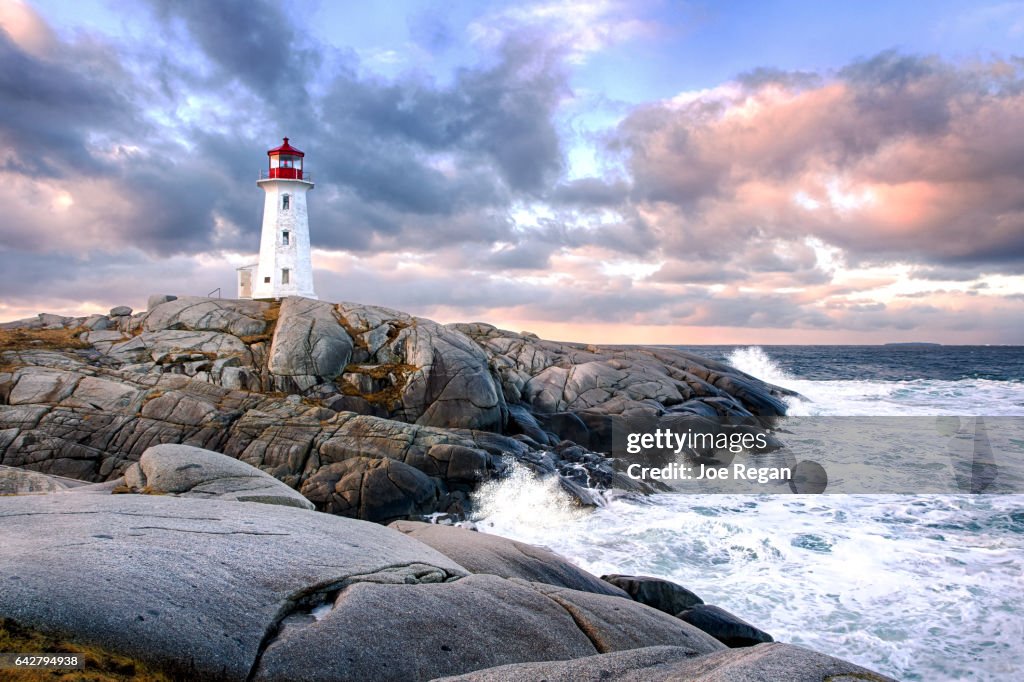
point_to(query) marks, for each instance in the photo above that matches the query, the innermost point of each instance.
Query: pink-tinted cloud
(895, 158)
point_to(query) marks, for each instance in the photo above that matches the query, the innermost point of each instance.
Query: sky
(608, 172)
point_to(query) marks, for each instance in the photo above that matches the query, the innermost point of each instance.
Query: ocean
(919, 587)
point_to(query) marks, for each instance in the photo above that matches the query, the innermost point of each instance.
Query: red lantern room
(285, 162)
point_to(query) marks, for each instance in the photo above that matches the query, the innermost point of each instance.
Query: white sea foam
(906, 586)
(754, 361)
(923, 587)
(523, 498)
(917, 397)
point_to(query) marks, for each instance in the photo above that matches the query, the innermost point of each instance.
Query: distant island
(913, 343)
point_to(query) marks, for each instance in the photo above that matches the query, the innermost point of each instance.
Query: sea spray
(523, 498)
(755, 361)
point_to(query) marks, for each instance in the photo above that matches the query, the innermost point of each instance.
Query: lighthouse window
(285, 202)
(266, 280)
(284, 276)
(285, 237)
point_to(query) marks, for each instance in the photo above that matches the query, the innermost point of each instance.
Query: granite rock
(309, 345)
(193, 587)
(456, 403)
(418, 632)
(762, 663)
(193, 472)
(372, 489)
(614, 623)
(731, 630)
(485, 553)
(658, 593)
(240, 318)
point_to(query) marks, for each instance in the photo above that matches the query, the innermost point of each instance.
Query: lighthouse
(285, 267)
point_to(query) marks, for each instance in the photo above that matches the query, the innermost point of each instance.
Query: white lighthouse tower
(285, 267)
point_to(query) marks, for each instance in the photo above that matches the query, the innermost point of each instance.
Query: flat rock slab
(157, 344)
(240, 318)
(403, 633)
(763, 663)
(190, 586)
(484, 553)
(194, 472)
(393, 632)
(15, 481)
(619, 665)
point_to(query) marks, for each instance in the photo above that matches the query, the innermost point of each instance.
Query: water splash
(521, 500)
(753, 360)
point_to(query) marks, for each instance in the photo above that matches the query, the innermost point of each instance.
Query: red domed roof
(285, 149)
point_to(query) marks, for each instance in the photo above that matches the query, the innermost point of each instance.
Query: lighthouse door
(245, 283)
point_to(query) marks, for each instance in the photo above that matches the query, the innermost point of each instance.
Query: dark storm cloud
(528, 255)
(615, 304)
(778, 311)
(252, 40)
(98, 278)
(698, 272)
(508, 111)
(425, 149)
(407, 164)
(902, 94)
(762, 76)
(49, 107)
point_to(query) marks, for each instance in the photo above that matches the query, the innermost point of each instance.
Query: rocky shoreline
(165, 476)
(321, 396)
(197, 565)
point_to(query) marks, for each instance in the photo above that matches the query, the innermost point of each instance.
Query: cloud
(407, 163)
(26, 28)
(821, 202)
(583, 27)
(590, 193)
(252, 40)
(894, 158)
(53, 105)
(425, 149)
(946, 274)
